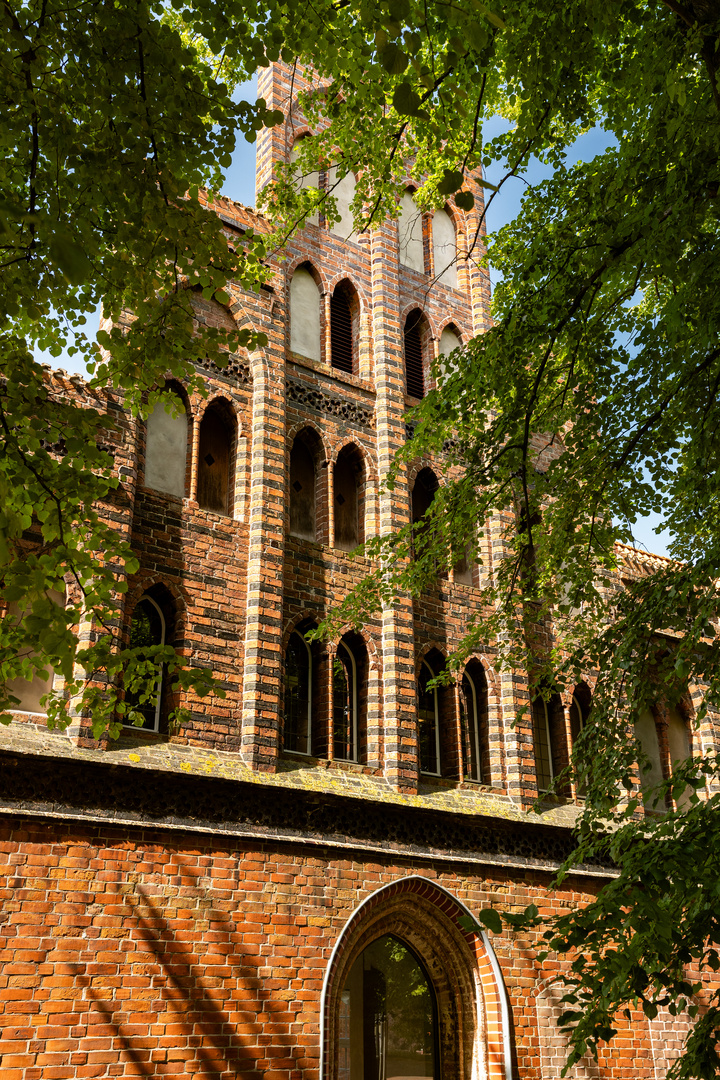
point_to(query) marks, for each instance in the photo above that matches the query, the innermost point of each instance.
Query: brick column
(399, 694)
(262, 676)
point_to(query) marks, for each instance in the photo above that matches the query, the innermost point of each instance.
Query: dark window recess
(341, 343)
(413, 356)
(302, 492)
(217, 439)
(298, 690)
(347, 531)
(147, 630)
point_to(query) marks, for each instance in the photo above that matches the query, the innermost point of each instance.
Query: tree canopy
(604, 351)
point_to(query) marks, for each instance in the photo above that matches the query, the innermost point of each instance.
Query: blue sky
(240, 186)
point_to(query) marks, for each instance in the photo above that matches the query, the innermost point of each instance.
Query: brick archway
(473, 1018)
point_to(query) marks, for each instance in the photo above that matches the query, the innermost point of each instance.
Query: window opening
(543, 745)
(166, 446)
(579, 712)
(469, 711)
(341, 332)
(302, 492)
(343, 191)
(345, 705)
(31, 691)
(388, 1016)
(214, 462)
(444, 249)
(428, 722)
(147, 629)
(298, 695)
(304, 314)
(347, 508)
(651, 771)
(414, 377)
(304, 180)
(410, 234)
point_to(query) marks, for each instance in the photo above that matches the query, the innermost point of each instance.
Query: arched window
(388, 1025)
(651, 770)
(297, 727)
(349, 685)
(302, 491)
(444, 249)
(414, 371)
(428, 722)
(410, 234)
(348, 484)
(215, 458)
(305, 314)
(449, 342)
(31, 691)
(304, 180)
(474, 721)
(166, 445)
(423, 493)
(147, 629)
(343, 191)
(544, 771)
(343, 346)
(679, 749)
(580, 706)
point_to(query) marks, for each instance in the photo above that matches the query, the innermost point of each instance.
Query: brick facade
(190, 901)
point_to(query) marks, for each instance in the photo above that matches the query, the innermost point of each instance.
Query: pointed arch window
(30, 692)
(302, 491)
(444, 249)
(166, 439)
(473, 715)
(543, 746)
(305, 314)
(148, 628)
(414, 374)
(298, 695)
(411, 249)
(345, 705)
(215, 459)
(342, 345)
(428, 722)
(348, 488)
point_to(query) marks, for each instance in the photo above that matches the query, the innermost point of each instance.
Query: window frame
(476, 775)
(158, 704)
(353, 699)
(436, 707)
(548, 745)
(308, 736)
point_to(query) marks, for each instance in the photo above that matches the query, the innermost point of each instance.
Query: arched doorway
(407, 934)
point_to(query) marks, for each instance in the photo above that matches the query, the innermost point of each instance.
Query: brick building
(273, 890)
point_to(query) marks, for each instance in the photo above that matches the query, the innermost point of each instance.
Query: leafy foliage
(592, 398)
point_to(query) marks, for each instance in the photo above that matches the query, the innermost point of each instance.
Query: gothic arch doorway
(402, 943)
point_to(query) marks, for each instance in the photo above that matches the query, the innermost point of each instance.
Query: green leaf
(394, 60)
(451, 181)
(465, 200)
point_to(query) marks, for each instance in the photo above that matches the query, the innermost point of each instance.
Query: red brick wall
(138, 953)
